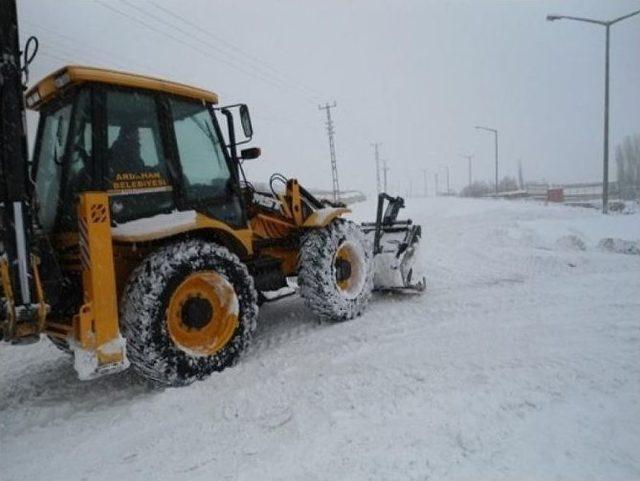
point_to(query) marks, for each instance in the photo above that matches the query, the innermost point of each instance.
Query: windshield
(204, 167)
(53, 137)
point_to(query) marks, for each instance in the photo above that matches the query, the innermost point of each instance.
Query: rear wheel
(335, 272)
(188, 310)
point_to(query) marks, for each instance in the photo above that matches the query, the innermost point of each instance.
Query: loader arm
(23, 304)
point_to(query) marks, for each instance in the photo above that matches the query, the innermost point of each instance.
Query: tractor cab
(154, 146)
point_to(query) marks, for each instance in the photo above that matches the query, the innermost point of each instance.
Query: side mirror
(250, 153)
(245, 119)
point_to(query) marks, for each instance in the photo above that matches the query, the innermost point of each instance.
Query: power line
(57, 49)
(424, 178)
(192, 37)
(286, 121)
(188, 45)
(332, 150)
(385, 170)
(469, 157)
(80, 54)
(253, 58)
(54, 57)
(90, 49)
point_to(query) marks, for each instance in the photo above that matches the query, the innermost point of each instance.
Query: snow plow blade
(396, 248)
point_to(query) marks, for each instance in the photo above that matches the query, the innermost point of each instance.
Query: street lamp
(446, 168)
(424, 178)
(385, 171)
(468, 157)
(495, 132)
(607, 25)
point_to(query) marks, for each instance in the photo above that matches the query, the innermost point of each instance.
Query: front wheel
(189, 309)
(335, 272)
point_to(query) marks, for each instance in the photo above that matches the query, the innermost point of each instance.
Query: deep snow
(519, 362)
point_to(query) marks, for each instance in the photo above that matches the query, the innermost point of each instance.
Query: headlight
(33, 99)
(62, 80)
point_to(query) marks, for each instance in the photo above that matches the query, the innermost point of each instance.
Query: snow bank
(583, 232)
(518, 362)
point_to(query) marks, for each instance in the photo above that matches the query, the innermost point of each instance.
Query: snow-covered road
(521, 361)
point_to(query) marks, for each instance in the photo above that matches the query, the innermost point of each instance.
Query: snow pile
(156, 223)
(588, 230)
(620, 246)
(631, 207)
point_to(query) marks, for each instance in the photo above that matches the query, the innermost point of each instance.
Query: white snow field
(520, 362)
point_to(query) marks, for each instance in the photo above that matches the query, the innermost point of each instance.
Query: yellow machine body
(95, 327)
(103, 254)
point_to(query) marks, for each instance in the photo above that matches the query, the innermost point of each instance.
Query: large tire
(332, 289)
(160, 347)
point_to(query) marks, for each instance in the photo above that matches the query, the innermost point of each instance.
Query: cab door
(136, 170)
(208, 179)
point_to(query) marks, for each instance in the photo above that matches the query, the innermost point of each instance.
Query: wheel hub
(196, 312)
(343, 269)
(203, 313)
(349, 269)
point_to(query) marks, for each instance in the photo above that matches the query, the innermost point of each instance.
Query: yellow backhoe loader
(133, 237)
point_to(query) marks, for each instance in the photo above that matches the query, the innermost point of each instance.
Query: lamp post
(446, 167)
(385, 171)
(605, 162)
(495, 133)
(424, 178)
(468, 157)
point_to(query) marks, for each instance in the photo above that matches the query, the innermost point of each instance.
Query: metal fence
(583, 192)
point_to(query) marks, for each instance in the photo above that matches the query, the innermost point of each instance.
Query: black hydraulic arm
(386, 218)
(14, 178)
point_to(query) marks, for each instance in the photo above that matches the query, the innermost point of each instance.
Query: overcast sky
(414, 75)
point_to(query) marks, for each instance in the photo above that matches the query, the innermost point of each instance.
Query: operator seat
(124, 154)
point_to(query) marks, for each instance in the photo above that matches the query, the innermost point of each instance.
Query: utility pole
(446, 167)
(424, 177)
(468, 157)
(520, 176)
(385, 169)
(332, 150)
(448, 190)
(495, 133)
(376, 146)
(605, 160)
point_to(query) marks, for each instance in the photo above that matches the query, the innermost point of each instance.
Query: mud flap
(97, 345)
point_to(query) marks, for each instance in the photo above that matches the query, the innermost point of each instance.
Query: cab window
(204, 166)
(77, 172)
(136, 167)
(133, 139)
(53, 131)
